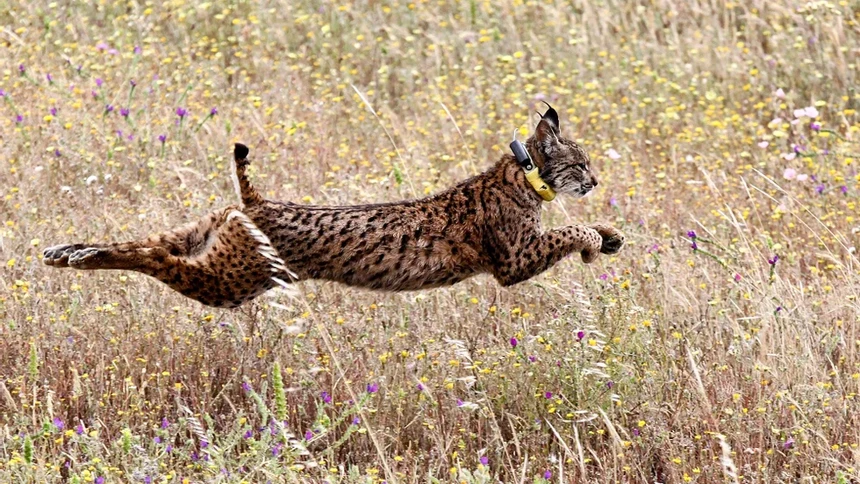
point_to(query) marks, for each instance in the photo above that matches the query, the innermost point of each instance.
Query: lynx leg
(613, 239)
(221, 260)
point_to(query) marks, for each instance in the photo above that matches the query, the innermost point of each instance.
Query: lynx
(487, 224)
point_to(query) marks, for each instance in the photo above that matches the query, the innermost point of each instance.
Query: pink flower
(780, 94)
(809, 112)
(763, 144)
(789, 174)
(789, 156)
(612, 154)
(802, 177)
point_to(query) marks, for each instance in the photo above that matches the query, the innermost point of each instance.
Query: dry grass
(662, 364)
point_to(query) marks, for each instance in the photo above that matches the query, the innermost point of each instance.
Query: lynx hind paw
(79, 258)
(58, 255)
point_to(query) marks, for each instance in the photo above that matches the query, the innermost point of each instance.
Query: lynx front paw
(613, 239)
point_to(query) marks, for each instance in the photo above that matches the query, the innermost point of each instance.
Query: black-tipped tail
(246, 191)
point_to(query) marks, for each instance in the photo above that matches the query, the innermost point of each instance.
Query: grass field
(722, 345)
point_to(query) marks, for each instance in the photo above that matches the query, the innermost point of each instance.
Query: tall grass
(731, 127)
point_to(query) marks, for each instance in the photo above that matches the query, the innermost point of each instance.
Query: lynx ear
(551, 116)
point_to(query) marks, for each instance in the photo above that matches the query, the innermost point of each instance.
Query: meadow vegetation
(722, 345)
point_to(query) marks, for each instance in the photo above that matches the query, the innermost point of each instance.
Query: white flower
(802, 177)
(780, 94)
(612, 154)
(92, 179)
(763, 144)
(789, 174)
(789, 156)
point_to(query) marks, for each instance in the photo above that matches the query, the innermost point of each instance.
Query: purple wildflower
(580, 334)
(2, 93)
(58, 422)
(694, 245)
(326, 398)
(137, 49)
(460, 403)
(774, 260)
(603, 276)
(22, 69)
(79, 429)
(157, 440)
(814, 126)
(789, 443)
(420, 387)
(356, 420)
(133, 83)
(246, 386)
(169, 448)
(124, 112)
(613, 202)
(164, 422)
(249, 434)
(819, 189)
(49, 77)
(691, 234)
(372, 388)
(636, 432)
(532, 358)
(610, 384)
(309, 435)
(100, 480)
(547, 474)
(547, 395)
(108, 108)
(163, 138)
(57, 153)
(181, 112)
(213, 112)
(53, 111)
(277, 449)
(484, 460)
(99, 82)
(737, 278)
(843, 189)
(19, 119)
(514, 342)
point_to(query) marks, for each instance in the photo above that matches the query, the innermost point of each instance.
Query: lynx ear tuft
(551, 116)
(240, 152)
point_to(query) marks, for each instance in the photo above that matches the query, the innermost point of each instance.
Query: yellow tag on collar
(540, 186)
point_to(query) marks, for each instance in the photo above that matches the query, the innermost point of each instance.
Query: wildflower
(613, 202)
(547, 395)
(79, 429)
(169, 448)
(53, 111)
(309, 435)
(737, 278)
(789, 443)
(2, 93)
(372, 388)
(809, 112)
(22, 69)
(326, 398)
(819, 189)
(460, 403)
(532, 358)
(157, 440)
(612, 154)
(57, 153)
(19, 119)
(814, 126)
(137, 49)
(124, 112)
(691, 234)
(249, 434)
(133, 83)
(789, 174)
(100, 480)
(213, 112)
(108, 108)
(799, 148)
(49, 78)
(773, 260)
(484, 460)
(603, 276)
(356, 420)
(636, 432)
(780, 94)
(843, 189)
(181, 112)
(763, 144)
(694, 245)
(420, 387)
(610, 384)
(514, 342)
(246, 386)
(580, 335)
(276, 449)
(99, 82)
(162, 138)
(58, 422)
(547, 474)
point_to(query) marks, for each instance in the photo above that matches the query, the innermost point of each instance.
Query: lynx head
(566, 166)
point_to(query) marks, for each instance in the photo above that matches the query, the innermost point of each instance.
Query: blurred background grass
(735, 361)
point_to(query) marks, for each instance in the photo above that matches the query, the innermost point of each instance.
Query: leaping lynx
(487, 224)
